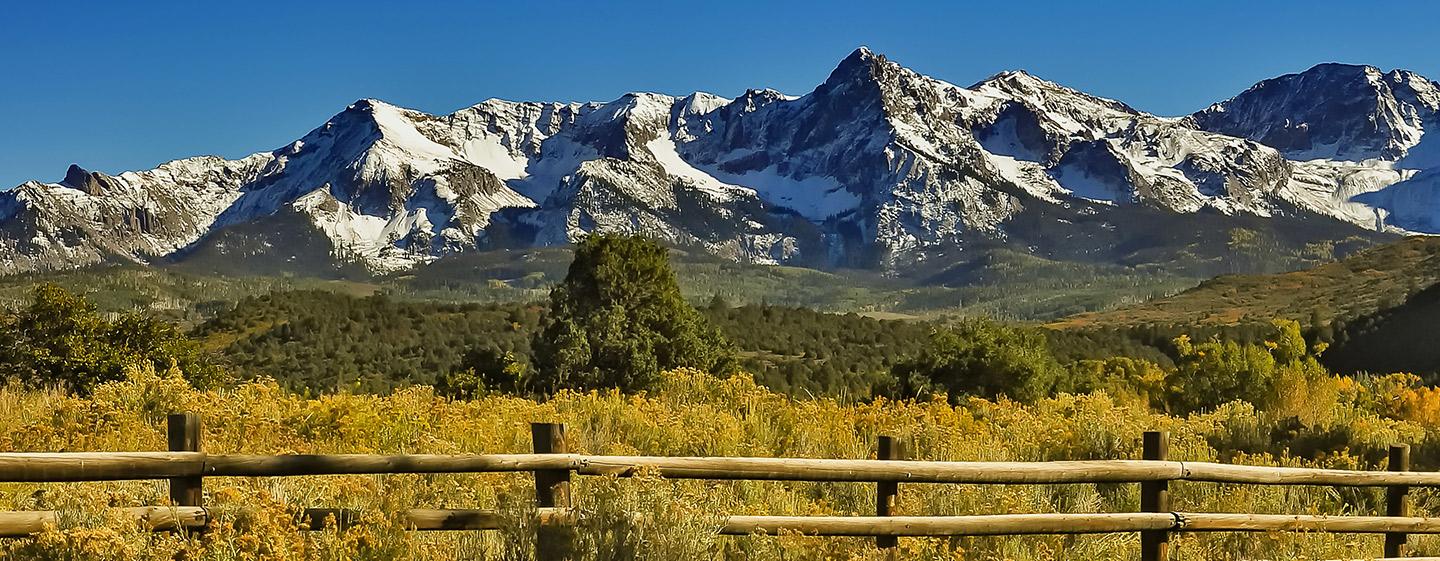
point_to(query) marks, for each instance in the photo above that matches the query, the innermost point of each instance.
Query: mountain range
(879, 167)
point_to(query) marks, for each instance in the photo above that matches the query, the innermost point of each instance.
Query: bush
(61, 339)
(982, 358)
(1217, 371)
(484, 370)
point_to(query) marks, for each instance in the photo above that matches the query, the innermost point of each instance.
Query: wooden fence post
(554, 540)
(1155, 497)
(890, 448)
(182, 430)
(1397, 500)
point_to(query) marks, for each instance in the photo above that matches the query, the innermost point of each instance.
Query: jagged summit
(369, 104)
(75, 176)
(1017, 76)
(878, 166)
(1331, 111)
(859, 62)
(92, 183)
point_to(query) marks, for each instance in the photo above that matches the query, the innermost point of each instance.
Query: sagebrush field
(690, 414)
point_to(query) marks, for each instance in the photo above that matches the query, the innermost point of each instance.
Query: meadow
(689, 413)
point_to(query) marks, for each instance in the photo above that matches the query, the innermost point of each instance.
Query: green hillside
(1362, 284)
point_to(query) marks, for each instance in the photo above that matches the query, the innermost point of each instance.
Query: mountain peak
(93, 183)
(1011, 78)
(1018, 74)
(369, 104)
(75, 176)
(1340, 67)
(365, 112)
(861, 64)
(1361, 75)
(1039, 92)
(1371, 75)
(1330, 111)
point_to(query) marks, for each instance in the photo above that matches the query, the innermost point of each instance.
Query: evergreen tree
(618, 319)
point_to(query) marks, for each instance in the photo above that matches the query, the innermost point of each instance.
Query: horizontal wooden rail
(1065, 523)
(423, 519)
(161, 518)
(1210, 522)
(343, 464)
(87, 466)
(108, 466)
(1272, 475)
(432, 519)
(796, 469)
(158, 518)
(98, 466)
(978, 525)
(1392, 559)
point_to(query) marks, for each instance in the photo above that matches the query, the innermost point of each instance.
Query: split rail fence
(186, 466)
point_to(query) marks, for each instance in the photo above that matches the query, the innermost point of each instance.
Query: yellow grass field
(692, 414)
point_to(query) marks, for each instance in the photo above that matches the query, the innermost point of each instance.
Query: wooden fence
(185, 465)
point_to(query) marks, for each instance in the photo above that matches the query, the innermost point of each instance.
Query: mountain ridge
(879, 167)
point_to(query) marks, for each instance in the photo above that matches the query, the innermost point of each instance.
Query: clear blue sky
(116, 86)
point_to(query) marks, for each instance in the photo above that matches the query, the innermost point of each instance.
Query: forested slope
(323, 340)
(1366, 282)
(1396, 339)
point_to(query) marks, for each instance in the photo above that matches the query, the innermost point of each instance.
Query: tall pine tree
(618, 319)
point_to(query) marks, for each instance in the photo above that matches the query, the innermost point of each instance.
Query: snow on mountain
(1331, 111)
(875, 156)
(877, 165)
(90, 217)
(623, 173)
(1357, 136)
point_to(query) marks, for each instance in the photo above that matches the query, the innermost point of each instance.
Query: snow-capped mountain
(878, 166)
(1332, 112)
(1357, 136)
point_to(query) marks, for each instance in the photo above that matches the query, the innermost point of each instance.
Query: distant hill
(1363, 284)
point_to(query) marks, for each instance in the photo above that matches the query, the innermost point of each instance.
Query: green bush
(61, 339)
(983, 358)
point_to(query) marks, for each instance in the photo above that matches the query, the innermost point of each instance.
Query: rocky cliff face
(877, 167)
